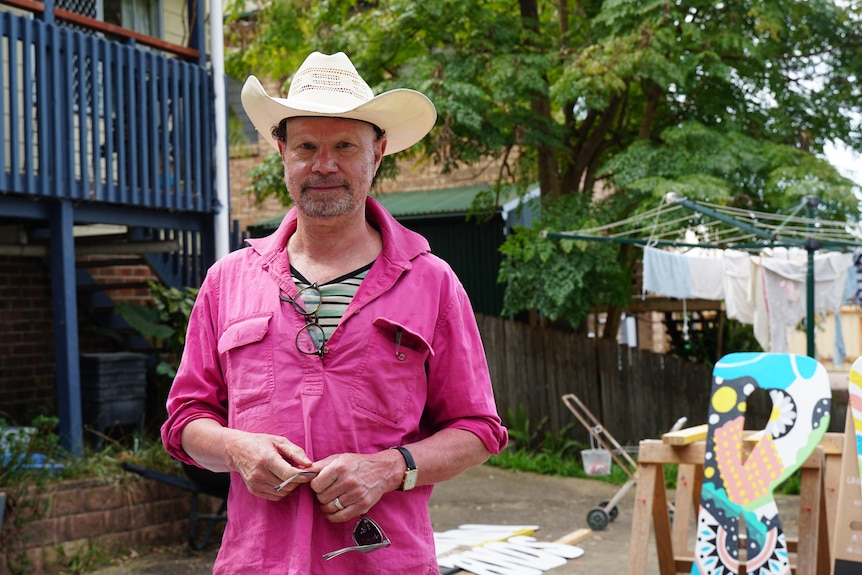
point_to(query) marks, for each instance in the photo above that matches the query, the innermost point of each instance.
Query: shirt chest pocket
(390, 383)
(248, 363)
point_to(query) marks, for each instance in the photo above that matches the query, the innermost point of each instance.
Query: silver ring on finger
(337, 504)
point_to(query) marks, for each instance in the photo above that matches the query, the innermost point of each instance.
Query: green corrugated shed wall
(473, 251)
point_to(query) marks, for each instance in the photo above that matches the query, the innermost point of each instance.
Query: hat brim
(405, 115)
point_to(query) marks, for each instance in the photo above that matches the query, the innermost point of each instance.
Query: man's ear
(379, 152)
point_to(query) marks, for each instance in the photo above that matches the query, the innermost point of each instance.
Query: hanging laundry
(857, 264)
(707, 276)
(779, 301)
(760, 319)
(780, 294)
(840, 353)
(666, 273)
(738, 300)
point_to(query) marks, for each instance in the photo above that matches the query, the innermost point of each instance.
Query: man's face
(329, 164)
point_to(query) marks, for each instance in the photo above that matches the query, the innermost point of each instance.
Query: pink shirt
(241, 367)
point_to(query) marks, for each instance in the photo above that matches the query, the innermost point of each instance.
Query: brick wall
(137, 275)
(131, 514)
(27, 367)
(26, 337)
(242, 206)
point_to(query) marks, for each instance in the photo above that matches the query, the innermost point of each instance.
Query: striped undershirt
(336, 296)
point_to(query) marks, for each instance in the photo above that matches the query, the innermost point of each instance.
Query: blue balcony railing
(91, 119)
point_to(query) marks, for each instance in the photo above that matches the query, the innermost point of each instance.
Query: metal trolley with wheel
(606, 511)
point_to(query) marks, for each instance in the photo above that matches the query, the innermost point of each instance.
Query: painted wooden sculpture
(801, 402)
(856, 406)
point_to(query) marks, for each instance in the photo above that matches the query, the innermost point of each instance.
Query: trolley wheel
(612, 514)
(597, 519)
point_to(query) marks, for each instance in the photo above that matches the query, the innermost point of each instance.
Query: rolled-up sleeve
(199, 389)
(460, 393)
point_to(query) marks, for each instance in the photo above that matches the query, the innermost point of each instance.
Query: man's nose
(325, 161)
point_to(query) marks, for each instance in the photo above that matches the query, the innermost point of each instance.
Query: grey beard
(325, 206)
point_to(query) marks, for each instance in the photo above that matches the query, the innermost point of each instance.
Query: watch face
(410, 477)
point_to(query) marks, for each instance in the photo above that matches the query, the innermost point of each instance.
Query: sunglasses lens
(367, 532)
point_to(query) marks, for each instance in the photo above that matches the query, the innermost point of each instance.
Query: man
(319, 349)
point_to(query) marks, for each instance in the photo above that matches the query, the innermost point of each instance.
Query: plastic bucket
(596, 461)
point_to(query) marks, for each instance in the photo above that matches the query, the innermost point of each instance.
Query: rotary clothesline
(681, 223)
(685, 223)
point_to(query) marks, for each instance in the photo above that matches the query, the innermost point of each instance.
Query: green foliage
(703, 346)
(22, 447)
(612, 75)
(235, 134)
(792, 485)
(536, 449)
(740, 170)
(563, 280)
(524, 433)
(164, 322)
(33, 454)
(84, 559)
(565, 463)
(266, 180)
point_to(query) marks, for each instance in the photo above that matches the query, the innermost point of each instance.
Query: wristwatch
(412, 474)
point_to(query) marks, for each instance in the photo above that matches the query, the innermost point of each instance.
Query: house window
(138, 15)
(241, 132)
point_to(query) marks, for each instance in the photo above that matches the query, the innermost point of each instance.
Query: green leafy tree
(728, 101)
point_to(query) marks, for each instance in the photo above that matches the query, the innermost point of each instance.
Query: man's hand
(264, 461)
(261, 459)
(356, 481)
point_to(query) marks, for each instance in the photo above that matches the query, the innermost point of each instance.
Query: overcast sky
(848, 162)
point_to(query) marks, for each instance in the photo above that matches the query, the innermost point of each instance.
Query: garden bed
(50, 526)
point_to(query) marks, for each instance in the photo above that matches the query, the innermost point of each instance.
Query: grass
(565, 465)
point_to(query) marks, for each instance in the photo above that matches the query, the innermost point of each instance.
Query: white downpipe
(222, 217)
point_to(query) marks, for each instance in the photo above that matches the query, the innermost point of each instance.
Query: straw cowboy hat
(329, 86)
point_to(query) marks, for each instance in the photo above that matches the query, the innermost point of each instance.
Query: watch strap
(408, 459)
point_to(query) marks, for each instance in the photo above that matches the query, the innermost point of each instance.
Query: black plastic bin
(113, 391)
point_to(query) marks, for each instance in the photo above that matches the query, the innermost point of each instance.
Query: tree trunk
(650, 111)
(549, 176)
(612, 322)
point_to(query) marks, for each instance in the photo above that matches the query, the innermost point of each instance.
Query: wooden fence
(635, 394)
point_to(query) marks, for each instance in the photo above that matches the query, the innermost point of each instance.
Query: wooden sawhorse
(820, 476)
